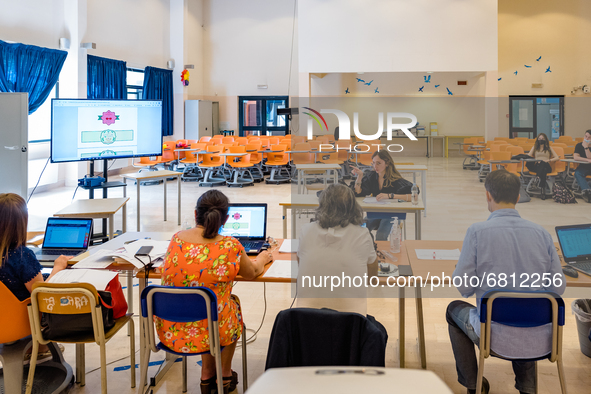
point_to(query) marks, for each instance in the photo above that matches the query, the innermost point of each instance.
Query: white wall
(397, 35)
(32, 22)
(247, 43)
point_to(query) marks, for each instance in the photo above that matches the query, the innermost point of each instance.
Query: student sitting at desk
(504, 244)
(335, 244)
(384, 183)
(20, 269)
(583, 153)
(201, 257)
(545, 155)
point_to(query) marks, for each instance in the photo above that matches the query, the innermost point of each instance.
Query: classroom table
(347, 380)
(104, 208)
(310, 201)
(155, 175)
(448, 137)
(417, 169)
(303, 168)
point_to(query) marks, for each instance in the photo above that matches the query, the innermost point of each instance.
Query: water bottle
(414, 194)
(395, 237)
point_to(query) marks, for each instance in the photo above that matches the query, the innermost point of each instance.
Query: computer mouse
(569, 271)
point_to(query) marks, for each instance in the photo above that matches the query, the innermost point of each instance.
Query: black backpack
(561, 194)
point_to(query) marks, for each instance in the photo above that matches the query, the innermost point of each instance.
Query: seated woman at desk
(545, 155)
(335, 244)
(201, 257)
(384, 183)
(19, 268)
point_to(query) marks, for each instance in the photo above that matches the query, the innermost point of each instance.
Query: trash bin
(582, 310)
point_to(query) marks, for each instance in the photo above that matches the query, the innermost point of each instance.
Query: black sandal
(208, 386)
(233, 381)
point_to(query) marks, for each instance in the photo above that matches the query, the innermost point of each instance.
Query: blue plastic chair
(522, 309)
(182, 305)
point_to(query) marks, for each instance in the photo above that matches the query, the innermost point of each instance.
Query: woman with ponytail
(201, 257)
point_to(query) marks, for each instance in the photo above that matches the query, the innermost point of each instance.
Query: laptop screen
(246, 221)
(67, 233)
(575, 241)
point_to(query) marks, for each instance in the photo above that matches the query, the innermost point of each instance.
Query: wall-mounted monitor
(105, 129)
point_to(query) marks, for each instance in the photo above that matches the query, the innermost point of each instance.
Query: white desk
(347, 380)
(155, 175)
(310, 201)
(303, 168)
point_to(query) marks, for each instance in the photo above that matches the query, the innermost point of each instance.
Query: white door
(14, 112)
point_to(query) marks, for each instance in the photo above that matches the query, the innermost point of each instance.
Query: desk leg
(124, 213)
(417, 224)
(424, 191)
(178, 181)
(130, 297)
(138, 204)
(293, 223)
(299, 184)
(80, 364)
(125, 187)
(336, 177)
(111, 226)
(143, 342)
(401, 316)
(165, 199)
(445, 147)
(420, 326)
(285, 222)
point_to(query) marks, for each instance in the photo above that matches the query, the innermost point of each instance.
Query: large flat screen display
(105, 129)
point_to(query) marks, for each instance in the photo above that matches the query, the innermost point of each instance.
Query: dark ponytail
(211, 211)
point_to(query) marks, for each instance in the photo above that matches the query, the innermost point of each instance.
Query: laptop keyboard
(65, 252)
(250, 245)
(584, 265)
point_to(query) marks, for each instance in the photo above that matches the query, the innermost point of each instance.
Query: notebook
(248, 224)
(575, 243)
(65, 236)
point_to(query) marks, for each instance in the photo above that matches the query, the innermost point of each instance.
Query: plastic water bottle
(395, 237)
(414, 194)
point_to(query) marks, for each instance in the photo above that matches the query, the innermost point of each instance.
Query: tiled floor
(455, 201)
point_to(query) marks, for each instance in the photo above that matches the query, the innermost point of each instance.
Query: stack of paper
(282, 269)
(438, 254)
(373, 200)
(98, 278)
(289, 246)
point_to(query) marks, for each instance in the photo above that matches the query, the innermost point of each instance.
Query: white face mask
(587, 141)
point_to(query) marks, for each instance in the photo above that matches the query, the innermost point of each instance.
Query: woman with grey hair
(335, 246)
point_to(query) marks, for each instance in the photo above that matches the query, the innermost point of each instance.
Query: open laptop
(575, 243)
(65, 236)
(248, 224)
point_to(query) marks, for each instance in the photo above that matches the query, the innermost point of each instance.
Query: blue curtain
(106, 78)
(30, 69)
(158, 86)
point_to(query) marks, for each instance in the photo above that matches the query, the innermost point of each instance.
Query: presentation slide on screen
(576, 242)
(245, 222)
(105, 129)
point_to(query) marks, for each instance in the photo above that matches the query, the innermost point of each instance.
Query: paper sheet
(282, 269)
(97, 278)
(373, 200)
(289, 246)
(438, 254)
(101, 259)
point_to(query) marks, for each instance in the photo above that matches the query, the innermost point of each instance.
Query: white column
(491, 106)
(178, 12)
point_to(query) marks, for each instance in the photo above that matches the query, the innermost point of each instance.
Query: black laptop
(575, 243)
(65, 236)
(248, 224)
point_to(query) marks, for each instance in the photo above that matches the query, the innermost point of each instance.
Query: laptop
(575, 243)
(248, 224)
(65, 236)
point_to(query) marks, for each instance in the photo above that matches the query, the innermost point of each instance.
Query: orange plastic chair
(273, 140)
(514, 168)
(204, 139)
(241, 141)
(227, 140)
(278, 161)
(471, 157)
(504, 147)
(499, 156)
(147, 162)
(216, 140)
(287, 136)
(298, 139)
(559, 145)
(256, 158)
(506, 139)
(286, 142)
(213, 164)
(192, 160)
(240, 175)
(345, 146)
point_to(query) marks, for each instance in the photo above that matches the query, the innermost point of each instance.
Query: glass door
(258, 115)
(532, 115)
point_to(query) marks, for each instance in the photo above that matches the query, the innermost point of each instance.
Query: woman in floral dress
(201, 257)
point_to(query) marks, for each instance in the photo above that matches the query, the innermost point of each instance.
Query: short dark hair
(338, 207)
(588, 132)
(211, 212)
(13, 223)
(503, 186)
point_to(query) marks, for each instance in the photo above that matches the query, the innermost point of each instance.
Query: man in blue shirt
(505, 246)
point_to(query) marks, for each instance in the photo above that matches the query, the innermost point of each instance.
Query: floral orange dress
(213, 265)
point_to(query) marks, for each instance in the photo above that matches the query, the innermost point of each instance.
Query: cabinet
(198, 119)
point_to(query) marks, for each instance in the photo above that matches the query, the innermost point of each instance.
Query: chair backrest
(168, 152)
(227, 140)
(298, 139)
(255, 157)
(504, 155)
(241, 141)
(14, 318)
(579, 139)
(471, 141)
(217, 139)
(286, 142)
(302, 158)
(559, 166)
(323, 139)
(273, 140)
(559, 144)
(65, 299)
(503, 147)
(279, 156)
(502, 139)
(198, 145)
(515, 150)
(314, 144)
(569, 150)
(180, 305)
(521, 309)
(204, 139)
(527, 147)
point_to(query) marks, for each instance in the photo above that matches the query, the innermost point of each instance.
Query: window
(258, 115)
(40, 120)
(135, 84)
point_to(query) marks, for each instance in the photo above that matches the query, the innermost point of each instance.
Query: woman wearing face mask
(544, 155)
(384, 183)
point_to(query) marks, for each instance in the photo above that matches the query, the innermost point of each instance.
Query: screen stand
(103, 235)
